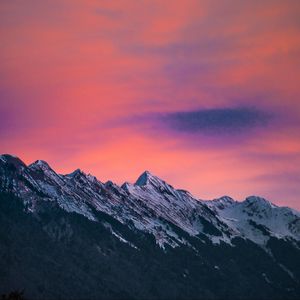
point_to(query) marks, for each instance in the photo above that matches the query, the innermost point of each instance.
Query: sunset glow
(204, 94)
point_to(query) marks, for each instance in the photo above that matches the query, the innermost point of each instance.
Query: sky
(204, 94)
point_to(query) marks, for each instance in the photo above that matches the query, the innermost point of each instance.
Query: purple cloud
(217, 121)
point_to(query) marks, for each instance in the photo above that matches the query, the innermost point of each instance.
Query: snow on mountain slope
(176, 206)
(150, 204)
(258, 219)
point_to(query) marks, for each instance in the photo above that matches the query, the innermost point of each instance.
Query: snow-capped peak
(128, 187)
(258, 201)
(144, 178)
(148, 179)
(152, 184)
(40, 164)
(222, 202)
(76, 173)
(227, 199)
(43, 166)
(79, 175)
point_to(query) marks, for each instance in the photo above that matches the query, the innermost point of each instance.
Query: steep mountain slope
(258, 219)
(151, 204)
(88, 236)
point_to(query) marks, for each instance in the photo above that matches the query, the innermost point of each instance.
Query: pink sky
(204, 94)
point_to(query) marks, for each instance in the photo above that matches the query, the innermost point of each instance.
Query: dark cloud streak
(216, 121)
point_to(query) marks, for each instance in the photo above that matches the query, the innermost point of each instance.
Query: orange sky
(204, 94)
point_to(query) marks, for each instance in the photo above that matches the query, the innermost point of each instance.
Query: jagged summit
(145, 178)
(126, 186)
(225, 199)
(40, 164)
(222, 202)
(258, 201)
(254, 198)
(77, 172)
(148, 179)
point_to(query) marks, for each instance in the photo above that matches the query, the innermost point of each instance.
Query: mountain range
(74, 237)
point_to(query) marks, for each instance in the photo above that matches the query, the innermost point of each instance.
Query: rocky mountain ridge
(254, 243)
(148, 203)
